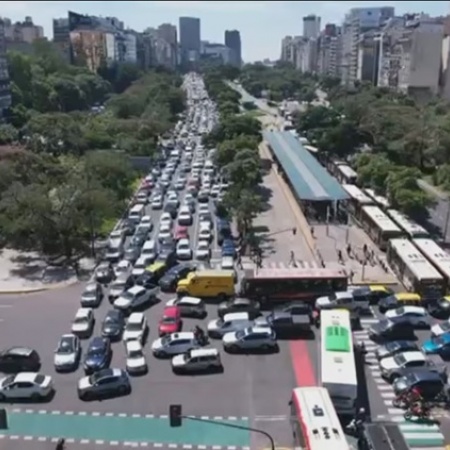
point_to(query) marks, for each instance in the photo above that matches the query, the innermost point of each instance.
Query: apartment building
(22, 32)
(233, 42)
(61, 36)
(328, 51)
(168, 45)
(410, 55)
(311, 26)
(357, 22)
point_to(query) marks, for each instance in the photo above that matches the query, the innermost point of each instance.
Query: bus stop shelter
(308, 179)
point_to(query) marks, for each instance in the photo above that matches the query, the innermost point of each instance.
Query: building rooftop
(308, 177)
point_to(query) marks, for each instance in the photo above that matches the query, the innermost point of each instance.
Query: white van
(136, 213)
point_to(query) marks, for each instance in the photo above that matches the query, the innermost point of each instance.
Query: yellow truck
(217, 284)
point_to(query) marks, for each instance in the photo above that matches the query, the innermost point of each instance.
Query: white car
(185, 216)
(205, 224)
(189, 306)
(136, 328)
(342, 299)
(123, 269)
(26, 385)
(165, 231)
(230, 322)
(184, 251)
(197, 360)
(140, 265)
(203, 208)
(67, 353)
(133, 298)
(416, 315)
(174, 344)
(391, 366)
(203, 251)
(83, 324)
(215, 190)
(146, 220)
(251, 338)
(157, 202)
(204, 234)
(136, 362)
(166, 218)
(440, 328)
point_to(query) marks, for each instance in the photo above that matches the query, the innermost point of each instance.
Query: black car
(137, 241)
(167, 254)
(19, 359)
(386, 330)
(129, 226)
(296, 308)
(104, 273)
(440, 309)
(149, 280)
(430, 383)
(98, 355)
(394, 347)
(113, 325)
(240, 305)
(168, 282)
(172, 209)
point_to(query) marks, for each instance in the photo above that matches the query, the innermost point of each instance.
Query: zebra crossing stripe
(419, 435)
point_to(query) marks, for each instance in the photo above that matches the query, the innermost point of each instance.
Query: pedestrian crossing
(217, 264)
(416, 435)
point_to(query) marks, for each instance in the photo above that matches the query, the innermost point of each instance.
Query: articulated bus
(378, 226)
(438, 257)
(413, 269)
(357, 200)
(411, 228)
(337, 360)
(275, 285)
(315, 424)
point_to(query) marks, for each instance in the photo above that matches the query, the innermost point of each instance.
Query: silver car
(67, 353)
(251, 338)
(92, 295)
(104, 383)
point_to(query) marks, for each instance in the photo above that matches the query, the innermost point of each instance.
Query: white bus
(413, 269)
(337, 360)
(358, 199)
(411, 228)
(345, 174)
(380, 201)
(437, 256)
(315, 424)
(378, 226)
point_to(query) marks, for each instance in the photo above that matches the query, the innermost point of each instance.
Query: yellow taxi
(400, 299)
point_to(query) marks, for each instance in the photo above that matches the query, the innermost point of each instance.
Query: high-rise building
(22, 32)
(168, 44)
(311, 26)
(357, 22)
(5, 92)
(233, 42)
(61, 36)
(189, 39)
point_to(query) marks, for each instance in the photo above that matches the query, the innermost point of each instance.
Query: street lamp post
(447, 219)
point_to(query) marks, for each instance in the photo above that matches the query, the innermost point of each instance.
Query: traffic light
(175, 415)
(294, 231)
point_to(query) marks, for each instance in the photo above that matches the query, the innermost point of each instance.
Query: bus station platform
(308, 178)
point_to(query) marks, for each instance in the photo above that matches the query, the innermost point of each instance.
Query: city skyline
(281, 18)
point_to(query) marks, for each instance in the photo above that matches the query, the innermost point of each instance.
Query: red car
(181, 232)
(170, 321)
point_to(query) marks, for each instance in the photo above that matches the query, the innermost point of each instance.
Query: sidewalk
(334, 238)
(26, 272)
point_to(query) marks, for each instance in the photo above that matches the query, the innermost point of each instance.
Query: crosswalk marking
(418, 436)
(217, 263)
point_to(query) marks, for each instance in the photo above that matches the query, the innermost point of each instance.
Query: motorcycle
(418, 411)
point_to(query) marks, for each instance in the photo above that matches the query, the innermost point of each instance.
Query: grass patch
(253, 113)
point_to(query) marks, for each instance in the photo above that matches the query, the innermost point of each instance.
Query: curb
(370, 282)
(50, 287)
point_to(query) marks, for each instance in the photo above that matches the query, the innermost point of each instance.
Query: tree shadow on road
(266, 195)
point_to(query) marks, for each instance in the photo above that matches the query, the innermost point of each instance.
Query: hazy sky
(262, 24)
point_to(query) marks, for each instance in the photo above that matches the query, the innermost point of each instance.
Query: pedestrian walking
(365, 249)
(239, 261)
(292, 258)
(312, 231)
(339, 254)
(351, 275)
(349, 249)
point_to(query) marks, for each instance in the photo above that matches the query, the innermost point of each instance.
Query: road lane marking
(279, 418)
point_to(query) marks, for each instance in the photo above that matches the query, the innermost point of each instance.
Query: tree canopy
(236, 139)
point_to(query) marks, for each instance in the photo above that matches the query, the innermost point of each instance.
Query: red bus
(275, 285)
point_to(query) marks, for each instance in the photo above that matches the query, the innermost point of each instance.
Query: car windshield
(65, 346)
(400, 311)
(400, 359)
(169, 320)
(128, 296)
(135, 353)
(446, 326)
(93, 351)
(89, 293)
(166, 339)
(440, 341)
(121, 269)
(81, 320)
(241, 333)
(96, 377)
(8, 380)
(110, 319)
(385, 324)
(392, 346)
(134, 326)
